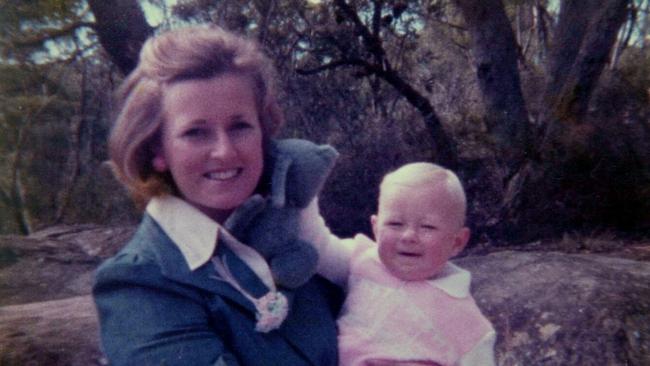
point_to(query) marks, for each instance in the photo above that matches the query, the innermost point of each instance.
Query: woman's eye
(195, 132)
(241, 125)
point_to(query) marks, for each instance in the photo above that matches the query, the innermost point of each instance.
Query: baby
(406, 303)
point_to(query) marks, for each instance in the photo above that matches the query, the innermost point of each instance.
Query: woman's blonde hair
(188, 53)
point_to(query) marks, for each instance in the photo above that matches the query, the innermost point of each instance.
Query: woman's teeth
(223, 175)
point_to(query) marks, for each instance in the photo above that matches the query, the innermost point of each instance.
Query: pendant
(271, 310)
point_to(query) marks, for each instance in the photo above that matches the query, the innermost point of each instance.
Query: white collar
(453, 280)
(193, 232)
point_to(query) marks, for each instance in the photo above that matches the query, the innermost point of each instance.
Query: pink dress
(387, 318)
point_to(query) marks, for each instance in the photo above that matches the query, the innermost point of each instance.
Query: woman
(192, 141)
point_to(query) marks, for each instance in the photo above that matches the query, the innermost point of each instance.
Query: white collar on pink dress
(453, 280)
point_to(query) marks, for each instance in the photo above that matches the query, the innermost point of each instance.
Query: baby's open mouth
(408, 254)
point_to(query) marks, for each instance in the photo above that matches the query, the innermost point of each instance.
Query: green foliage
(599, 178)
(53, 129)
(33, 127)
(26, 26)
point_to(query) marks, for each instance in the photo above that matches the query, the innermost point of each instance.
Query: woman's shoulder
(137, 256)
(133, 268)
(128, 266)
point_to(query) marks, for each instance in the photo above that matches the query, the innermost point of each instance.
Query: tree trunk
(566, 41)
(122, 29)
(577, 88)
(72, 166)
(17, 195)
(495, 52)
(538, 200)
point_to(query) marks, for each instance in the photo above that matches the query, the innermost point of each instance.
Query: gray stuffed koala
(296, 170)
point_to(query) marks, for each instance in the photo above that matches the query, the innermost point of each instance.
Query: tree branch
(4, 197)
(372, 42)
(333, 65)
(376, 17)
(51, 33)
(122, 30)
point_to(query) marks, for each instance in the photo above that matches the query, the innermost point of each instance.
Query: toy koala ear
(301, 168)
(279, 181)
(309, 169)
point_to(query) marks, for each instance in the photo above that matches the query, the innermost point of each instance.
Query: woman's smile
(224, 175)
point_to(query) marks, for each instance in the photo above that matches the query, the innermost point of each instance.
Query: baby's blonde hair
(424, 173)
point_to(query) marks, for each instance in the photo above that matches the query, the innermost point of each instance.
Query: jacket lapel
(173, 266)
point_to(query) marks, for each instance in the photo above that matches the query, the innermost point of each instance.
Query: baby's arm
(334, 252)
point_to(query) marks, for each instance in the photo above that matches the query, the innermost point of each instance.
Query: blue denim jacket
(153, 310)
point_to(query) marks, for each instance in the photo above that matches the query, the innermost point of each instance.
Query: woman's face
(212, 142)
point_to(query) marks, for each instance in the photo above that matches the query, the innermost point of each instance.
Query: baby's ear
(373, 225)
(460, 240)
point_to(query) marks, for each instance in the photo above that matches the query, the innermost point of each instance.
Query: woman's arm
(334, 253)
(147, 320)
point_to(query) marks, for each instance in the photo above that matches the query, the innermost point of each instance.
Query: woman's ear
(159, 163)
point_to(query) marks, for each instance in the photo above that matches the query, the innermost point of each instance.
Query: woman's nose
(222, 148)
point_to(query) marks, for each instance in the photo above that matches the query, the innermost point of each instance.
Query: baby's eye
(428, 227)
(394, 224)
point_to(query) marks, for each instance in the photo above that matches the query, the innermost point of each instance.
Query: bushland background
(542, 107)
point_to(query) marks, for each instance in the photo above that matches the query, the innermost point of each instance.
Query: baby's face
(417, 229)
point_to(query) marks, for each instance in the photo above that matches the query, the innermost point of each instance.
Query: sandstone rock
(58, 332)
(564, 309)
(35, 271)
(549, 308)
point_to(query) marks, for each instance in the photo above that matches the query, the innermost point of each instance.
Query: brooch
(272, 309)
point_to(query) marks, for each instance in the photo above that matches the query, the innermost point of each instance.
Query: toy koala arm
(294, 264)
(239, 221)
